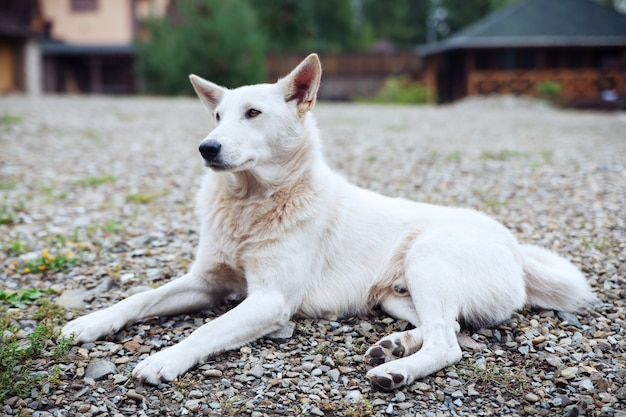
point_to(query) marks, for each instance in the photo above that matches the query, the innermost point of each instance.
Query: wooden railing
(351, 64)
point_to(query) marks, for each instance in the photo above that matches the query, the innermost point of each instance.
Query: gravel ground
(115, 178)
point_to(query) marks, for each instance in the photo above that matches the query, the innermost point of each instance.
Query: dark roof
(540, 23)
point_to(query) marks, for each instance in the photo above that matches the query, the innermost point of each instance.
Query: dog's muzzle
(210, 149)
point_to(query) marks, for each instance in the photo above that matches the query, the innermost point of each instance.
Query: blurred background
(572, 52)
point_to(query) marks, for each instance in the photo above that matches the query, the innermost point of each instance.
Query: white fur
(281, 229)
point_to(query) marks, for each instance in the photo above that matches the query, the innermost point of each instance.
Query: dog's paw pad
(388, 382)
(384, 351)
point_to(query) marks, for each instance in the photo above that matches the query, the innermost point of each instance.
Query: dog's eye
(217, 117)
(252, 113)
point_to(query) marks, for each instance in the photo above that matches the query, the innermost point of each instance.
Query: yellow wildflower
(26, 270)
(46, 255)
(42, 267)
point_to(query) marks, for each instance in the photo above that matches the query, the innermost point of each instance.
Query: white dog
(279, 228)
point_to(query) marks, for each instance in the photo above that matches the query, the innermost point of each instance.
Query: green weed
(401, 90)
(8, 212)
(20, 298)
(7, 184)
(597, 244)
(143, 198)
(95, 181)
(21, 359)
(503, 155)
(49, 262)
(112, 227)
(57, 256)
(8, 120)
(454, 156)
(52, 194)
(511, 378)
(16, 247)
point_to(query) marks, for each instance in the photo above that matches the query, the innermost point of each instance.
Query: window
(84, 5)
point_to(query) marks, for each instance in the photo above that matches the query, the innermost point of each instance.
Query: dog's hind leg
(434, 300)
(399, 344)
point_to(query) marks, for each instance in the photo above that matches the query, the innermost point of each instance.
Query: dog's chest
(241, 227)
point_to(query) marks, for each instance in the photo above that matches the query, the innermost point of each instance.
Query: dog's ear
(302, 83)
(210, 94)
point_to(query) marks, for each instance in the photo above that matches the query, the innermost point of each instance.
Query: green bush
(217, 40)
(401, 90)
(549, 89)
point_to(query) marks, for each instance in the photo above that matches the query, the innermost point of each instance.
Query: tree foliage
(218, 40)
(226, 40)
(305, 25)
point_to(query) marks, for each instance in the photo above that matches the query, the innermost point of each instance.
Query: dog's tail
(552, 282)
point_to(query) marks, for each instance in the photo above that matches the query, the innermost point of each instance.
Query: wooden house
(574, 50)
(20, 30)
(89, 45)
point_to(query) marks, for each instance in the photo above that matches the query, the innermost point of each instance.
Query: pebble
(531, 397)
(333, 374)
(530, 169)
(569, 373)
(257, 371)
(99, 369)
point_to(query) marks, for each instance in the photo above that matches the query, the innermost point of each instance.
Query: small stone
(196, 394)
(420, 386)
(333, 374)
(72, 299)
(354, 396)
(317, 412)
(257, 371)
(131, 345)
(119, 379)
(620, 394)
(586, 384)
(405, 405)
(531, 397)
(192, 405)
(212, 373)
(603, 384)
(133, 395)
(569, 373)
(457, 394)
(100, 369)
(539, 339)
(367, 326)
(554, 360)
(570, 319)
(308, 367)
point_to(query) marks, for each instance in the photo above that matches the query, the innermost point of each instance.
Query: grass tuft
(21, 358)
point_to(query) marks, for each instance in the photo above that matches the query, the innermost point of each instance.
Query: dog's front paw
(163, 366)
(385, 379)
(91, 327)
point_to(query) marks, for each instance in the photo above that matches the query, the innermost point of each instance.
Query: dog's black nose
(210, 149)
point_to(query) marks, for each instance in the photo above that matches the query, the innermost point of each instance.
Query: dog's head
(259, 124)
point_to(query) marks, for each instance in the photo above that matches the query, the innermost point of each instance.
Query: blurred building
(20, 30)
(574, 50)
(72, 46)
(89, 44)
